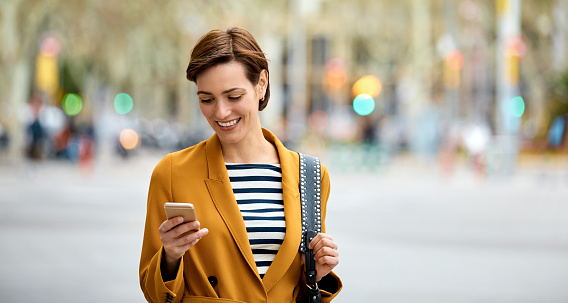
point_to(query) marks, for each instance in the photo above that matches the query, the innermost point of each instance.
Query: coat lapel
(221, 193)
(289, 163)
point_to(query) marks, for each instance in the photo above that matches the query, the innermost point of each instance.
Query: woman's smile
(229, 124)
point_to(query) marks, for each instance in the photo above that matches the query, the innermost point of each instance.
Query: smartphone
(185, 210)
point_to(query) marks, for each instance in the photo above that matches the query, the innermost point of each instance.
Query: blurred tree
(22, 22)
(141, 47)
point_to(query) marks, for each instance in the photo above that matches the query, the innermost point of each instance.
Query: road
(406, 233)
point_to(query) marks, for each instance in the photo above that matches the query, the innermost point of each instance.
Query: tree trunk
(17, 98)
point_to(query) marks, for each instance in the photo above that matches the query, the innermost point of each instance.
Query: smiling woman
(244, 185)
(230, 103)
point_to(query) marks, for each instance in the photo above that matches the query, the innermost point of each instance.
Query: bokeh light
(368, 85)
(72, 104)
(516, 46)
(129, 139)
(123, 103)
(517, 106)
(454, 60)
(364, 104)
(50, 45)
(336, 77)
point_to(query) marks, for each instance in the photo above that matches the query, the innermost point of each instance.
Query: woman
(244, 185)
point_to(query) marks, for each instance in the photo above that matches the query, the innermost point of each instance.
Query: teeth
(230, 123)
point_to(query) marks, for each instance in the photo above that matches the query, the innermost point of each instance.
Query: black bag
(310, 195)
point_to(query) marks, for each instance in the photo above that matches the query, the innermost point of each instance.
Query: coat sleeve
(329, 285)
(154, 288)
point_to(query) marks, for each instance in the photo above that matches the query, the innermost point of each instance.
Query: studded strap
(310, 194)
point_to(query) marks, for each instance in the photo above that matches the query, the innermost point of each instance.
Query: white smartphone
(176, 209)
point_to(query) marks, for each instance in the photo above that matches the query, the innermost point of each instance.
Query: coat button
(213, 280)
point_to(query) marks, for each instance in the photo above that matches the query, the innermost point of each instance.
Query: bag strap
(310, 195)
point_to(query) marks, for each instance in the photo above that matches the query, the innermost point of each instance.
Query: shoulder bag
(310, 195)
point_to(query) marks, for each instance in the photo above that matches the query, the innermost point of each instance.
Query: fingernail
(206, 230)
(180, 219)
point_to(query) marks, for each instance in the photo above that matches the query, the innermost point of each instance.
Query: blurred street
(406, 232)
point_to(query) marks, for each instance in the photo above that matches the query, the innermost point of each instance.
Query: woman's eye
(235, 98)
(206, 100)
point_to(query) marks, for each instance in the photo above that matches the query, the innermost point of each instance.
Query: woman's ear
(262, 83)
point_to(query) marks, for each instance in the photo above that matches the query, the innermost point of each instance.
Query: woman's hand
(176, 239)
(325, 254)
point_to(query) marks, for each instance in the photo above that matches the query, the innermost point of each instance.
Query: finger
(318, 238)
(329, 261)
(325, 242)
(169, 224)
(326, 251)
(168, 236)
(165, 230)
(182, 241)
(190, 240)
(172, 236)
(179, 246)
(189, 245)
(185, 227)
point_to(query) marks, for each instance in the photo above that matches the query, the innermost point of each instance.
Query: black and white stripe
(258, 191)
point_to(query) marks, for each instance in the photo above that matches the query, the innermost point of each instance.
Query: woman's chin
(231, 137)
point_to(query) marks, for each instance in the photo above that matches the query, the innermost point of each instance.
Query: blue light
(518, 106)
(364, 104)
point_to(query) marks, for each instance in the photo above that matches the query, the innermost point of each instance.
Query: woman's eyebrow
(232, 89)
(224, 92)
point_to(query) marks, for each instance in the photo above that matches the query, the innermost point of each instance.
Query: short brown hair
(234, 44)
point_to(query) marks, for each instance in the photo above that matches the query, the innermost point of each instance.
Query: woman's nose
(223, 109)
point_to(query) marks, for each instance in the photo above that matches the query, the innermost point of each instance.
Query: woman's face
(229, 101)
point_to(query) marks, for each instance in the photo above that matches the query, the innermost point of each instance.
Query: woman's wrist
(169, 267)
(168, 259)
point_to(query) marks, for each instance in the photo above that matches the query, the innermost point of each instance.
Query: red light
(516, 46)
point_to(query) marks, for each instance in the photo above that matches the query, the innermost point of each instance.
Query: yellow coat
(198, 175)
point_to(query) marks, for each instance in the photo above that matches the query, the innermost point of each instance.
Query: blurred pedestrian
(4, 139)
(244, 185)
(87, 149)
(369, 132)
(65, 142)
(35, 131)
(557, 133)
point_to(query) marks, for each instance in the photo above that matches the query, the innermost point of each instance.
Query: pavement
(407, 232)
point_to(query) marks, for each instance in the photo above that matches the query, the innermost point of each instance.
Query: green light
(517, 106)
(123, 103)
(72, 104)
(364, 104)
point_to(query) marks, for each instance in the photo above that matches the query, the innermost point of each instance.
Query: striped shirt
(258, 191)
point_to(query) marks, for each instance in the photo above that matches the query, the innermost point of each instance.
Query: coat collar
(222, 195)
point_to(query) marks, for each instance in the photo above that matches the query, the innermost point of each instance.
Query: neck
(255, 149)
